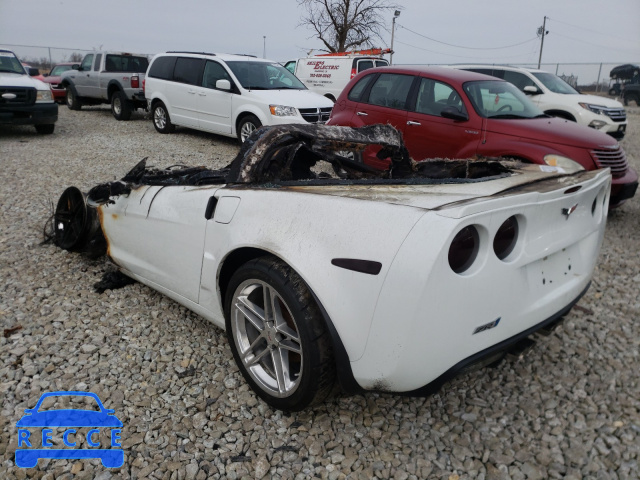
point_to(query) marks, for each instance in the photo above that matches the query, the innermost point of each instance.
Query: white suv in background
(229, 95)
(557, 98)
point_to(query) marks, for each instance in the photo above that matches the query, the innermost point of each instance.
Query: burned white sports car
(323, 270)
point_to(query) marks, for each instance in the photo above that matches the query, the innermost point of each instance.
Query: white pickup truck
(24, 100)
(107, 77)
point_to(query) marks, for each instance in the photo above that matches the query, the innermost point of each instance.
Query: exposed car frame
(322, 269)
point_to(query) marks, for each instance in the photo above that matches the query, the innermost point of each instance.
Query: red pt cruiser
(447, 113)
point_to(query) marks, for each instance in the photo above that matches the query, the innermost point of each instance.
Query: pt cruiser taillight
(464, 249)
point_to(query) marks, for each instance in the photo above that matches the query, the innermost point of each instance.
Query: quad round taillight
(506, 238)
(464, 249)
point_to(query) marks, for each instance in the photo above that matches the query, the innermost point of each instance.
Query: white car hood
(596, 100)
(290, 98)
(21, 80)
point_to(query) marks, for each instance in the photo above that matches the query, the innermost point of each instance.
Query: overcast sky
(579, 30)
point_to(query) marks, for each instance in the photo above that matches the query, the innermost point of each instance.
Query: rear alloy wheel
(277, 335)
(161, 119)
(120, 107)
(247, 126)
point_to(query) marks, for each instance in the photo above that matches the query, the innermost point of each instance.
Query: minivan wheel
(120, 107)
(161, 119)
(247, 126)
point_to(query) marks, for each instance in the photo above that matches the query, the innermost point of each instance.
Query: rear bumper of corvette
(430, 322)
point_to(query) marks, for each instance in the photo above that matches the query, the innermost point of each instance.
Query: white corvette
(323, 270)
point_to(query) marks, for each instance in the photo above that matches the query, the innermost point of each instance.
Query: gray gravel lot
(570, 409)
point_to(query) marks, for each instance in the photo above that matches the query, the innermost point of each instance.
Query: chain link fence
(44, 58)
(587, 77)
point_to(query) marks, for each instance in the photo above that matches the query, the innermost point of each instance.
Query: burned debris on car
(322, 269)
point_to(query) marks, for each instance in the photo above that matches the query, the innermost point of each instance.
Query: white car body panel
(398, 327)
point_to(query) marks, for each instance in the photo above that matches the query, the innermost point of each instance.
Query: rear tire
(120, 106)
(73, 102)
(161, 119)
(45, 129)
(283, 349)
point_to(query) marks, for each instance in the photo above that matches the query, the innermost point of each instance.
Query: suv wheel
(72, 99)
(120, 106)
(161, 119)
(247, 126)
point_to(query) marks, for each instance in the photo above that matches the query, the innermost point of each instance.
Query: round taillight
(464, 249)
(506, 238)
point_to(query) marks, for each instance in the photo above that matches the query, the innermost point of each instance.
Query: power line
(592, 31)
(40, 46)
(460, 56)
(581, 41)
(469, 48)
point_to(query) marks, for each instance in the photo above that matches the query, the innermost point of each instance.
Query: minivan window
(264, 76)
(213, 72)
(162, 67)
(188, 70)
(391, 90)
(554, 83)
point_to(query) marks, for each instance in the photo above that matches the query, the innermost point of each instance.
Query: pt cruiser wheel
(277, 336)
(161, 119)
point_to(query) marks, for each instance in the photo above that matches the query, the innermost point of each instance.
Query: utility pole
(396, 14)
(541, 33)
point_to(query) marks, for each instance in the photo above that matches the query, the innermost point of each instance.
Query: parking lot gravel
(569, 409)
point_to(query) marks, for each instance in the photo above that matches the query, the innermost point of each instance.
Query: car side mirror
(531, 90)
(223, 84)
(45, 74)
(76, 67)
(454, 114)
(33, 71)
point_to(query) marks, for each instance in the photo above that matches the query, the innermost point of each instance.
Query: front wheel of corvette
(277, 335)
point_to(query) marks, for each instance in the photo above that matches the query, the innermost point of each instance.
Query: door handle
(413, 123)
(192, 92)
(362, 114)
(202, 94)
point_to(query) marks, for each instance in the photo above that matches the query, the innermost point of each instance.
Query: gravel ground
(570, 409)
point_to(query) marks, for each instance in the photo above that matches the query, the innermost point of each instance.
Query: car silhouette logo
(68, 419)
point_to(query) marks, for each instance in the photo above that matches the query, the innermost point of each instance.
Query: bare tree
(343, 25)
(75, 57)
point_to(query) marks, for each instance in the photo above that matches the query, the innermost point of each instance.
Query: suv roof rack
(195, 53)
(245, 55)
